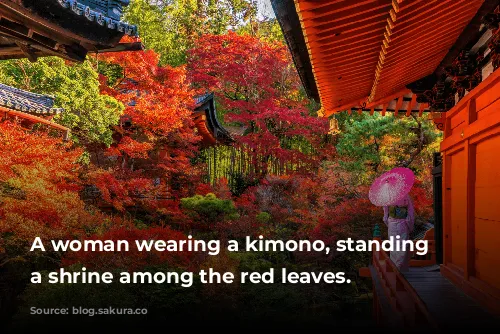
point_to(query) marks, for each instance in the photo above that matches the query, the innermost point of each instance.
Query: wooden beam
(398, 105)
(470, 151)
(411, 104)
(38, 24)
(389, 98)
(384, 108)
(17, 38)
(470, 154)
(290, 24)
(22, 27)
(32, 57)
(6, 50)
(122, 47)
(421, 109)
(342, 108)
(471, 115)
(36, 119)
(469, 35)
(391, 21)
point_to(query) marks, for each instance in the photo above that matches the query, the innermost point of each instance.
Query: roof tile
(21, 100)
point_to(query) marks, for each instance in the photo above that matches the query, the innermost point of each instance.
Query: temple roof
(198, 100)
(355, 54)
(20, 100)
(100, 13)
(65, 28)
(204, 116)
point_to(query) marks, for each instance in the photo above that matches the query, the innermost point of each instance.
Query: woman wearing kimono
(400, 219)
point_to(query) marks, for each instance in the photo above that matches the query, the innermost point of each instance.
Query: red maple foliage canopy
(158, 146)
(259, 89)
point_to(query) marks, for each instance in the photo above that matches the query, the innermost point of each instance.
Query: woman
(400, 218)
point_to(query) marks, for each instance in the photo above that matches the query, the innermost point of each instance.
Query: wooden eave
(292, 31)
(403, 102)
(201, 124)
(24, 34)
(207, 123)
(364, 54)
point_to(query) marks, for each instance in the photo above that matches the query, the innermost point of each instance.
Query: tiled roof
(20, 100)
(202, 98)
(95, 14)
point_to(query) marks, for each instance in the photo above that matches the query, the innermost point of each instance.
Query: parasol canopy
(391, 187)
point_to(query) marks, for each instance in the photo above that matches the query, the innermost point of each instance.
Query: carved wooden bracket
(492, 21)
(464, 73)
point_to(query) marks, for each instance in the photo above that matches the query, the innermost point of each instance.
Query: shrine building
(436, 59)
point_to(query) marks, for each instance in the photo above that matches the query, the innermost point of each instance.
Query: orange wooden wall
(471, 194)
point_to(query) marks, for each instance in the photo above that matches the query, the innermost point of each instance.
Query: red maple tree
(153, 153)
(259, 89)
(39, 190)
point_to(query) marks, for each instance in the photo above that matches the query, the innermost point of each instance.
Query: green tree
(267, 29)
(372, 144)
(207, 211)
(75, 87)
(171, 27)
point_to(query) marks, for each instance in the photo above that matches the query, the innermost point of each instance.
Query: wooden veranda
(422, 297)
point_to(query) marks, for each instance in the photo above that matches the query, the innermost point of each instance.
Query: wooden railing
(394, 297)
(14, 114)
(404, 302)
(428, 259)
(403, 299)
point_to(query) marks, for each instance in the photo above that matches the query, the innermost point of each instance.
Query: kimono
(400, 219)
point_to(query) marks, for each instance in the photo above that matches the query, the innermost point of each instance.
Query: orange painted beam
(314, 10)
(389, 98)
(421, 109)
(434, 36)
(398, 105)
(342, 108)
(412, 103)
(36, 119)
(384, 109)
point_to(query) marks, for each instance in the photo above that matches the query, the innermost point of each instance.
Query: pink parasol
(391, 187)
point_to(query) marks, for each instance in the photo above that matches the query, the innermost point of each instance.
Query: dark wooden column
(437, 176)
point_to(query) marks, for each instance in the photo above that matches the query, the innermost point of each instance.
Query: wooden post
(447, 127)
(376, 303)
(412, 103)
(470, 151)
(399, 103)
(66, 135)
(471, 115)
(446, 209)
(375, 307)
(384, 109)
